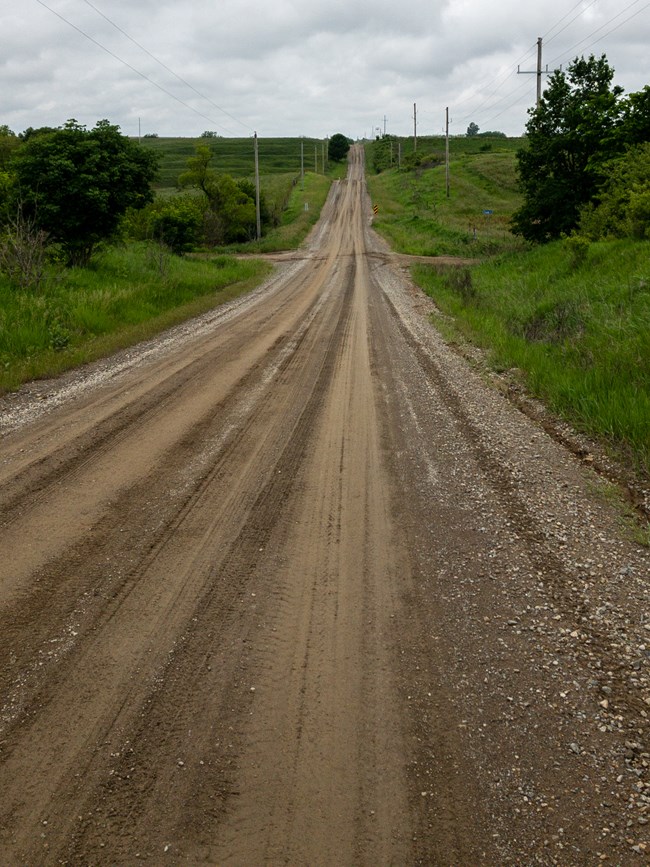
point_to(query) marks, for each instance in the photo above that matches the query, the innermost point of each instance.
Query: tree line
(65, 190)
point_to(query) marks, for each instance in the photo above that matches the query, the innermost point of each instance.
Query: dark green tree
(338, 147)
(76, 184)
(472, 129)
(635, 121)
(9, 141)
(571, 136)
(230, 204)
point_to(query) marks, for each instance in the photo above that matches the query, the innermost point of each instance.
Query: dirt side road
(292, 585)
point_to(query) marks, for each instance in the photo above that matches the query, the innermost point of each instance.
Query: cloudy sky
(311, 68)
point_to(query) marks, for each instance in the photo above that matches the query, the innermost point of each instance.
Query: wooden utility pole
(447, 150)
(302, 165)
(258, 214)
(415, 127)
(538, 72)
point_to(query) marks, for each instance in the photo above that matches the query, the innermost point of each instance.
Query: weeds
(119, 299)
(23, 253)
(580, 336)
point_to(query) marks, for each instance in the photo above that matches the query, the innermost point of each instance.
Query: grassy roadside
(577, 334)
(126, 295)
(416, 216)
(132, 292)
(571, 321)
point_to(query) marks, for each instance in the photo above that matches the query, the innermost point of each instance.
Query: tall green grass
(577, 331)
(573, 319)
(125, 295)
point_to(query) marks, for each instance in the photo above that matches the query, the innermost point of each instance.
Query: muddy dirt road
(294, 585)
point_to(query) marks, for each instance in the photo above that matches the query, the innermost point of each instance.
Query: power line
(128, 65)
(164, 65)
(560, 56)
(498, 79)
(548, 38)
(598, 29)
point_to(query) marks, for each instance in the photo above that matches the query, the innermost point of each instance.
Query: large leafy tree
(635, 121)
(76, 184)
(338, 147)
(572, 134)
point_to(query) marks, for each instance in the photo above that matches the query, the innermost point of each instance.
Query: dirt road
(295, 585)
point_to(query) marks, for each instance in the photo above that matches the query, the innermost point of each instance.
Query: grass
(416, 216)
(578, 334)
(124, 296)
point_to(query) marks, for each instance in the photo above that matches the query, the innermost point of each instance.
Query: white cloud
(308, 68)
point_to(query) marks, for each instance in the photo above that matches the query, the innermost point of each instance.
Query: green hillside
(415, 214)
(235, 156)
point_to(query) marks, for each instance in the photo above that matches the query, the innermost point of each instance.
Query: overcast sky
(287, 68)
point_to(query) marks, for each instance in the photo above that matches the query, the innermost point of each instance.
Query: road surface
(295, 584)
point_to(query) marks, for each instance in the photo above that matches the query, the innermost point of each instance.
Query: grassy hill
(415, 214)
(235, 156)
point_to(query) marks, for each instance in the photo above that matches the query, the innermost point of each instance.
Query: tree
(338, 147)
(622, 208)
(571, 136)
(76, 184)
(9, 141)
(635, 120)
(472, 129)
(230, 214)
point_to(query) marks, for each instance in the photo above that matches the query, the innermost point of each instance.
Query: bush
(23, 252)
(177, 222)
(623, 206)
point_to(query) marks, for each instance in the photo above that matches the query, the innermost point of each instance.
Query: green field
(236, 156)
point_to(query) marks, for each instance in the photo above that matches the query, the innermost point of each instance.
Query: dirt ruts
(292, 584)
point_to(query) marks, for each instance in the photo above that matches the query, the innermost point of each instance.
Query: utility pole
(302, 164)
(447, 150)
(258, 215)
(538, 72)
(399, 154)
(415, 127)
